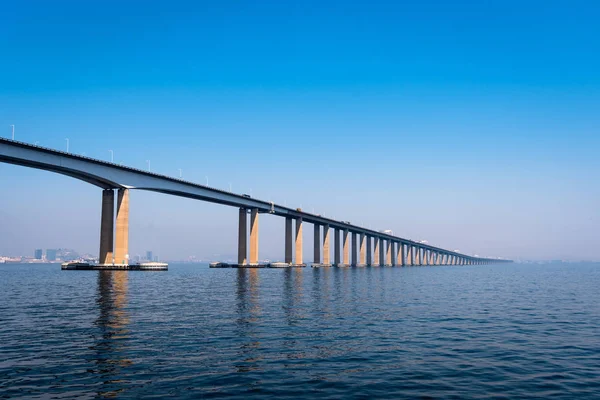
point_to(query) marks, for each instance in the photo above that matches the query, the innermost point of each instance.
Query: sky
(474, 125)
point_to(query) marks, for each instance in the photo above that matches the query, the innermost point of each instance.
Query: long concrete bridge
(352, 245)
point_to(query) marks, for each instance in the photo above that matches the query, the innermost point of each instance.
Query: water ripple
(505, 331)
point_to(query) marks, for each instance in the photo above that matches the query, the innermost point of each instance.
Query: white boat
(218, 265)
(153, 266)
(279, 265)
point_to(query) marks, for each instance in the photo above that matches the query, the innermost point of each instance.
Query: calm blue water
(502, 331)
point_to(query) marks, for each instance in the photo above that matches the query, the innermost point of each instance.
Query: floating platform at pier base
(259, 265)
(320, 265)
(82, 266)
(342, 265)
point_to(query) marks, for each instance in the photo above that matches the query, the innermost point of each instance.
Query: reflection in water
(112, 322)
(248, 320)
(292, 295)
(293, 313)
(321, 292)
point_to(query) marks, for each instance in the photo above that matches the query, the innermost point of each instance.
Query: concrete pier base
(78, 266)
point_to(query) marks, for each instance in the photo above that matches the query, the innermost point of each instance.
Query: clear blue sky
(472, 124)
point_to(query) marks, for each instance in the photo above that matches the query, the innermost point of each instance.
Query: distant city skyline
(473, 127)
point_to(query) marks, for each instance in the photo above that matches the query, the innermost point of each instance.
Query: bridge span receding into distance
(367, 247)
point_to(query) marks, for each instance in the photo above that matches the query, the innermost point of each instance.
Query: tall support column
(431, 257)
(424, 257)
(369, 251)
(394, 255)
(409, 253)
(288, 240)
(400, 255)
(299, 260)
(381, 252)
(317, 242)
(419, 259)
(326, 250)
(336, 246)
(243, 237)
(377, 245)
(355, 261)
(346, 252)
(254, 236)
(388, 252)
(363, 249)
(107, 227)
(122, 230)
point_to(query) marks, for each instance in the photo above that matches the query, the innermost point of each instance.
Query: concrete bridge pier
(288, 241)
(363, 250)
(336, 247)
(317, 243)
(400, 255)
(377, 253)
(243, 237)
(299, 260)
(326, 249)
(394, 255)
(369, 252)
(346, 250)
(254, 236)
(355, 261)
(388, 253)
(408, 255)
(107, 227)
(122, 228)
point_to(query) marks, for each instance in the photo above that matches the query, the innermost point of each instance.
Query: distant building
(149, 255)
(38, 254)
(51, 254)
(155, 259)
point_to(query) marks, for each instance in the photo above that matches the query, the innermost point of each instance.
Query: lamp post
(112, 156)
(180, 173)
(148, 161)
(13, 132)
(67, 139)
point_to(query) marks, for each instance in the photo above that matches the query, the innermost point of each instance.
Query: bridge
(367, 247)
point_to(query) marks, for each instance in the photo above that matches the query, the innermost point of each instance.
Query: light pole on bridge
(13, 131)
(148, 161)
(112, 156)
(67, 139)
